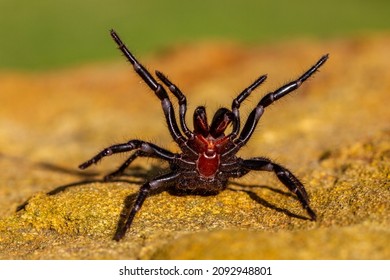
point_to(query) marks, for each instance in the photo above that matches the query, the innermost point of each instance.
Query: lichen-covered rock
(352, 194)
(334, 133)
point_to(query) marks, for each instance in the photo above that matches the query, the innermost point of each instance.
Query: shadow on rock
(253, 195)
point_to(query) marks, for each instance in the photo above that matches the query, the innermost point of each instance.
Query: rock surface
(334, 133)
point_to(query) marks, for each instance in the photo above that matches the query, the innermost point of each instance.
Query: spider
(208, 156)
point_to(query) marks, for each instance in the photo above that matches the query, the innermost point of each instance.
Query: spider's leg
(122, 168)
(267, 100)
(159, 182)
(146, 147)
(237, 102)
(182, 103)
(156, 87)
(285, 176)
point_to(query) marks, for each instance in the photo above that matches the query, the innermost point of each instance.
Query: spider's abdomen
(199, 186)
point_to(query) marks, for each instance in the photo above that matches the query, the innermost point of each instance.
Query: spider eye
(200, 121)
(222, 118)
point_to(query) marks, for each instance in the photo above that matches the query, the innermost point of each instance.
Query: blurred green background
(48, 34)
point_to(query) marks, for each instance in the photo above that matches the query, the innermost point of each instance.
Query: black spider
(208, 156)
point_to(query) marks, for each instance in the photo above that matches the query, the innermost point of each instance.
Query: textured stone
(334, 133)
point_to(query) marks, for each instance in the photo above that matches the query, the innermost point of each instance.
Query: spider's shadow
(253, 195)
(87, 178)
(141, 175)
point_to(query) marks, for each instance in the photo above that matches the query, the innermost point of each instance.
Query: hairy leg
(237, 102)
(285, 176)
(267, 100)
(156, 87)
(123, 167)
(159, 182)
(182, 103)
(146, 147)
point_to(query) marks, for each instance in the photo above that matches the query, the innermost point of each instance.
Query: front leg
(182, 103)
(285, 176)
(270, 98)
(156, 87)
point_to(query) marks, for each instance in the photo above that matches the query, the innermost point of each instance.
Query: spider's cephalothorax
(208, 155)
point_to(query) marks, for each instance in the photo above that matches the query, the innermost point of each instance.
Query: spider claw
(119, 235)
(312, 214)
(85, 165)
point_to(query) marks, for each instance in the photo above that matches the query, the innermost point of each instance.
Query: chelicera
(208, 154)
